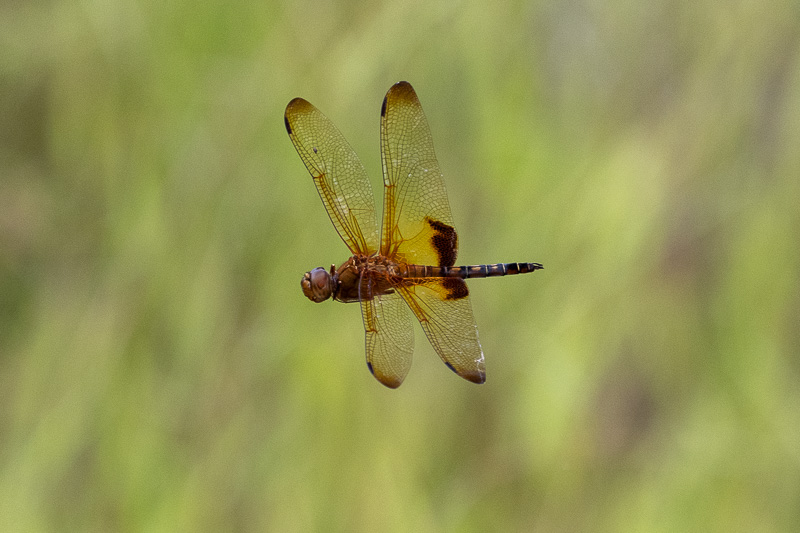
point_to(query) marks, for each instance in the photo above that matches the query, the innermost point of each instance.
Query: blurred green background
(160, 369)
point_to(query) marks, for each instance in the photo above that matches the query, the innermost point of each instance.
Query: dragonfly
(406, 265)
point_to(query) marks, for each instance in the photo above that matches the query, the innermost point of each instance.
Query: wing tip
(477, 376)
(391, 382)
(295, 106)
(400, 90)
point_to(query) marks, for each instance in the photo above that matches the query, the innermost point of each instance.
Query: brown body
(381, 275)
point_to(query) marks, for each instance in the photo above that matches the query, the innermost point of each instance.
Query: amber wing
(389, 335)
(338, 174)
(450, 327)
(415, 206)
(418, 229)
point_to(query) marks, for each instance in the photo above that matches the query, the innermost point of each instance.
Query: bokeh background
(160, 369)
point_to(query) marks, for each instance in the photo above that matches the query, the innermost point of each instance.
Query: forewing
(338, 174)
(444, 311)
(417, 223)
(389, 336)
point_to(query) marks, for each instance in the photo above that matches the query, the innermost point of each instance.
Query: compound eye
(316, 285)
(319, 277)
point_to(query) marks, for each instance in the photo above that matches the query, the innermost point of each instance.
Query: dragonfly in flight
(408, 262)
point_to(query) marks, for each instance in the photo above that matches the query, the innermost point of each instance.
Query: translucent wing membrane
(418, 229)
(449, 324)
(338, 174)
(389, 335)
(415, 206)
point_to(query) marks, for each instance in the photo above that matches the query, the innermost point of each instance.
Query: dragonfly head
(317, 285)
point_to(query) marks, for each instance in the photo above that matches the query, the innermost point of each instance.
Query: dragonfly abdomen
(471, 271)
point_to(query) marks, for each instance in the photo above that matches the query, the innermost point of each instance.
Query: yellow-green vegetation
(160, 369)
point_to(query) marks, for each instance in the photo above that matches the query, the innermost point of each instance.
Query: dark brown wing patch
(455, 288)
(444, 241)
